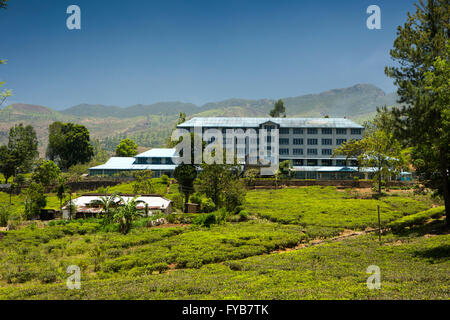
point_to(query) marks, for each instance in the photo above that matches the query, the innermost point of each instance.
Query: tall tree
(278, 110)
(22, 146)
(61, 190)
(215, 179)
(126, 148)
(422, 122)
(181, 118)
(69, 144)
(35, 200)
(185, 175)
(7, 163)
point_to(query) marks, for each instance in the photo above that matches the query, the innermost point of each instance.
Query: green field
(328, 207)
(268, 257)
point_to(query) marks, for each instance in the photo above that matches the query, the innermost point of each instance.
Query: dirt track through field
(344, 235)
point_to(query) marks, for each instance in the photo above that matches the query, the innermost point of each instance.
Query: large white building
(307, 142)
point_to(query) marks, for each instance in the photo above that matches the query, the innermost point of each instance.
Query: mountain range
(150, 125)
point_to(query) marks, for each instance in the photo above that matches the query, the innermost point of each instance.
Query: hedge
(417, 219)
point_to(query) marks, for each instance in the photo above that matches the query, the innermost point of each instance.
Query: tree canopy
(69, 144)
(143, 183)
(185, 175)
(220, 183)
(278, 109)
(421, 52)
(46, 173)
(19, 154)
(126, 148)
(378, 150)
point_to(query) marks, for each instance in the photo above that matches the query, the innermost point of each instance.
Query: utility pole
(70, 204)
(379, 224)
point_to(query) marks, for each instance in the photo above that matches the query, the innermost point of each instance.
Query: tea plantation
(269, 256)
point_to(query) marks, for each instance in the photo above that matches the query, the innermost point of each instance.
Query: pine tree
(423, 119)
(278, 109)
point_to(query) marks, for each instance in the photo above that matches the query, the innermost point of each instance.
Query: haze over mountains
(354, 101)
(150, 125)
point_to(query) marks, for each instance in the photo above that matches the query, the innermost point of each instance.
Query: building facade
(307, 142)
(160, 161)
(91, 205)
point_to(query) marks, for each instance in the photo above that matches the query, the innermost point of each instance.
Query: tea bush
(416, 269)
(327, 207)
(416, 219)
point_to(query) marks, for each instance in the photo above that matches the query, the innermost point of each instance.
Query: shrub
(171, 218)
(205, 220)
(48, 276)
(12, 276)
(160, 267)
(4, 216)
(165, 179)
(208, 205)
(102, 190)
(113, 253)
(243, 215)
(416, 219)
(235, 196)
(221, 215)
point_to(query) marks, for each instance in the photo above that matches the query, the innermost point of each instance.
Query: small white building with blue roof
(160, 161)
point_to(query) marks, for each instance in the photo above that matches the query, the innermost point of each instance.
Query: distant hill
(27, 109)
(97, 110)
(30, 108)
(93, 110)
(354, 101)
(150, 125)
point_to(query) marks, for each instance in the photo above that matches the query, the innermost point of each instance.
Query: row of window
(311, 152)
(312, 142)
(286, 141)
(141, 160)
(354, 131)
(323, 131)
(323, 162)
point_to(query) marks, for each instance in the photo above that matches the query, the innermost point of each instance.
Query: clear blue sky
(144, 51)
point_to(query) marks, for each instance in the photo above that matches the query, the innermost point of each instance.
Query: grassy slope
(417, 269)
(327, 207)
(117, 266)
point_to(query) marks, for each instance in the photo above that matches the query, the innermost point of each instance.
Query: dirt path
(344, 235)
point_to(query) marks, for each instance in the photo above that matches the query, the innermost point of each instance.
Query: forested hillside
(150, 125)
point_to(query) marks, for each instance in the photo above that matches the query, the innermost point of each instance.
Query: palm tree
(106, 203)
(126, 212)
